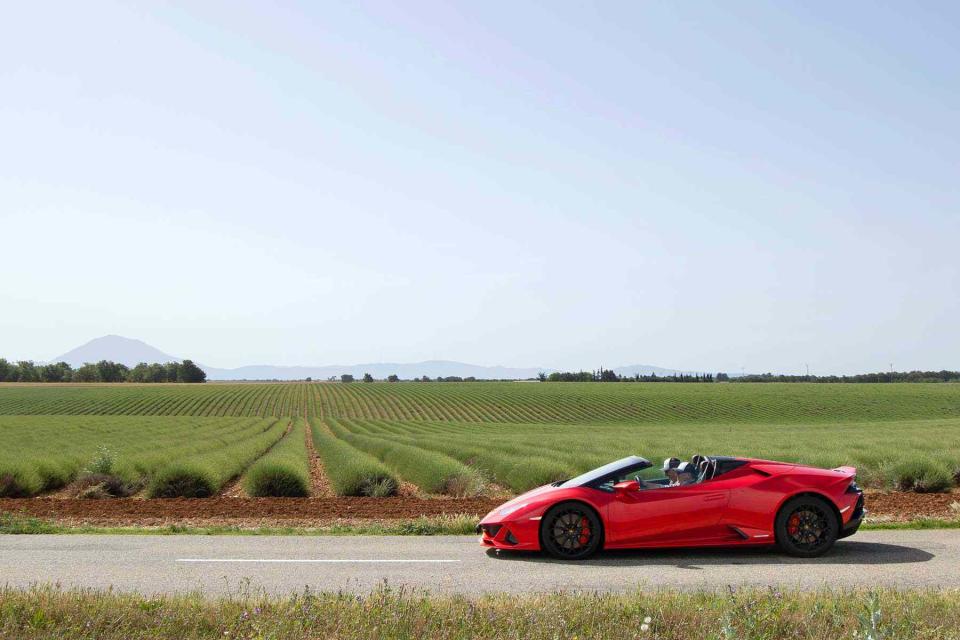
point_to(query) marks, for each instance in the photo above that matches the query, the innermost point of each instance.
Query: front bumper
(522, 534)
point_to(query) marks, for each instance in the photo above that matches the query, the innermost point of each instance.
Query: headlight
(508, 510)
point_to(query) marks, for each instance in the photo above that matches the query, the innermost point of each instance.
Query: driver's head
(685, 472)
(670, 468)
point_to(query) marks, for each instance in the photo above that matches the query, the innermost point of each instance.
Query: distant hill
(130, 351)
(379, 370)
(126, 351)
(646, 370)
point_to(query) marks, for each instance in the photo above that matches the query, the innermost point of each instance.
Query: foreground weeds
(48, 612)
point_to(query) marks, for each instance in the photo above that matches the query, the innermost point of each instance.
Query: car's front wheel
(570, 531)
(806, 527)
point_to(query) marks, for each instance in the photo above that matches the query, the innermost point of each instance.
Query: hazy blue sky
(546, 184)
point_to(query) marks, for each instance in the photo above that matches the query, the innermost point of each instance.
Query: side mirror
(627, 486)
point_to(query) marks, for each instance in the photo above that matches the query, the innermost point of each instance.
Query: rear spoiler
(847, 471)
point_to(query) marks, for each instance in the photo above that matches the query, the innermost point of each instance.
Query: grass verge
(918, 523)
(46, 612)
(422, 526)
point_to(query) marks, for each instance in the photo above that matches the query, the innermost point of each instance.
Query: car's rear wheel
(807, 527)
(571, 531)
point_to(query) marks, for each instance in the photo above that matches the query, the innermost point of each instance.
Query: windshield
(614, 469)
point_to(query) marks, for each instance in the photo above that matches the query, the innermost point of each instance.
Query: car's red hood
(524, 497)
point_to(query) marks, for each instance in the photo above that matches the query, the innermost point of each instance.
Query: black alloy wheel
(570, 531)
(806, 527)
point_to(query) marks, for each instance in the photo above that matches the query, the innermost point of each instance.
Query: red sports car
(726, 502)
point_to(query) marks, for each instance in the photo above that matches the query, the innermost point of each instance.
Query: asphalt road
(456, 564)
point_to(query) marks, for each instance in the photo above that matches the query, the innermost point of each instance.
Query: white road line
(315, 560)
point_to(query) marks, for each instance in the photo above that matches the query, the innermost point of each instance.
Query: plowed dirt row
(890, 506)
(903, 505)
(280, 510)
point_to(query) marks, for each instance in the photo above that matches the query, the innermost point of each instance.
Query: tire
(806, 527)
(571, 531)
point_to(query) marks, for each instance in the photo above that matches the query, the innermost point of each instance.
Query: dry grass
(47, 612)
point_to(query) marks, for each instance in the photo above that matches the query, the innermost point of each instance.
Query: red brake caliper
(584, 531)
(793, 524)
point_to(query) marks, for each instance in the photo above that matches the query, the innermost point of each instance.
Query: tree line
(608, 375)
(103, 371)
(883, 376)
(346, 378)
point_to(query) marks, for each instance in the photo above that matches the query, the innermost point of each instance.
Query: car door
(685, 514)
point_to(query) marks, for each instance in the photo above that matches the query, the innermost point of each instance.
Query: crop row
(514, 468)
(42, 453)
(432, 472)
(521, 456)
(531, 403)
(285, 469)
(280, 399)
(456, 438)
(515, 403)
(204, 474)
(351, 472)
(175, 456)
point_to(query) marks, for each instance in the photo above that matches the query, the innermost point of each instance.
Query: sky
(737, 186)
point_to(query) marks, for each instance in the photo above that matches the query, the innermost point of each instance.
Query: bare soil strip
(320, 483)
(222, 510)
(899, 506)
(306, 512)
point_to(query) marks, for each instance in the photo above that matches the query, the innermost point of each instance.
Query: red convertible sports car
(725, 502)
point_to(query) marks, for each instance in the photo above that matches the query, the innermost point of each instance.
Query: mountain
(379, 370)
(116, 348)
(130, 352)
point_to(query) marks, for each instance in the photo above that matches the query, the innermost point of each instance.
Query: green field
(458, 438)
(567, 403)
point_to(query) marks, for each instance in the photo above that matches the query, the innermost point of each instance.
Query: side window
(650, 474)
(653, 477)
